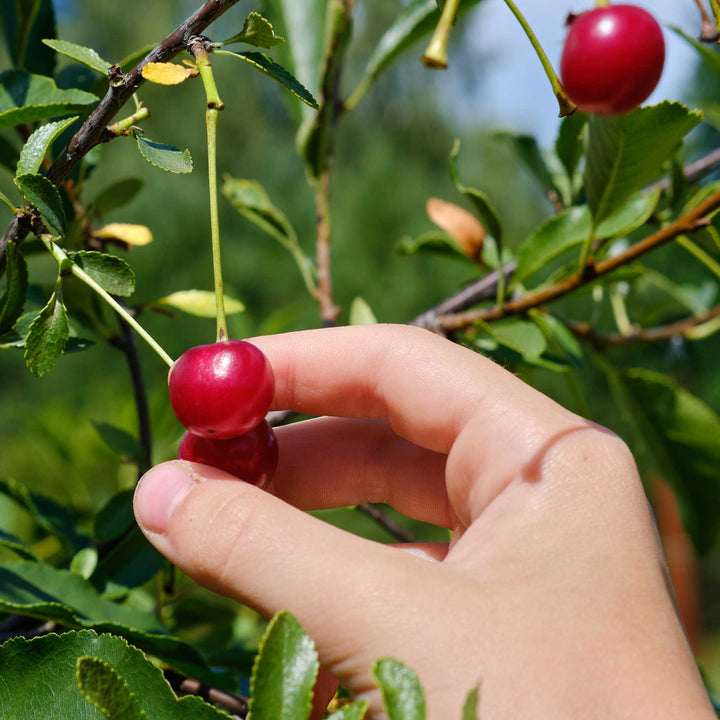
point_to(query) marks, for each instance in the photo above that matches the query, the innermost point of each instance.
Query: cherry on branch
(221, 390)
(612, 59)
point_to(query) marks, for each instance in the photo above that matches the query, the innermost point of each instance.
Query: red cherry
(252, 457)
(612, 59)
(221, 390)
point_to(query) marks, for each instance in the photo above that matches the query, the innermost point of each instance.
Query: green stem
(715, 5)
(214, 105)
(586, 250)
(694, 249)
(567, 106)
(59, 254)
(435, 55)
(602, 3)
(358, 93)
(125, 127)
(620, 313)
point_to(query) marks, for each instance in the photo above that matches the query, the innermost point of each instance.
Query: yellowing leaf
(125, 233)
(200, 303)
(463, 227)
(167, 73)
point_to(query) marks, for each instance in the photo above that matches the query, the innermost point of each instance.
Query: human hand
(553, 593)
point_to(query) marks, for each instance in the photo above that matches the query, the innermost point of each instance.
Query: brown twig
(323, 249)
(236, 705)
(688, 223)
(586, 331)
(93, 130)
(708, 31)
(385, 521)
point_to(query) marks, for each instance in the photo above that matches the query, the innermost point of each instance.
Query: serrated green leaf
(84, 562)
(13, 300)
(401, 690)
(479, 199)
(48, 335)
(26, 98)
(103, 688)
(26, 22)
(284, 672)
(86, 56)
(302, 23)
(626, 153)
(361, 313)
(165, 157)
(116, 195)
(708, 53)
(276, 71)
(119, 441)
(570, 228)
(417, 19)
(37, 145)
(471, 704)
(673, 435)
(42, 673)
(48, 593)
(109, 271)
(257, 31)
(200, 303)
(9, 155)
(17, 546)
(354, 711)
(43, 195)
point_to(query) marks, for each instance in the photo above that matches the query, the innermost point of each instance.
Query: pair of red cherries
(221, 393)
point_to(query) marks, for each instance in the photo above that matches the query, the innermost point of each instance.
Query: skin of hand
(553, 594)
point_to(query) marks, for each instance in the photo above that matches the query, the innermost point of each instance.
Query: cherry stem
(715, 5)
(602, 3)
(709, 30)
(214, 106)
(435, 55)
(59, 254)
(567, 106)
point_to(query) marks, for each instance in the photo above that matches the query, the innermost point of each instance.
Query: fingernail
(160, 491)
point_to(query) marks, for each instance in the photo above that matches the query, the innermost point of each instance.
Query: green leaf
(471, 703)
(9, 155)
(284, 672)
(44, 674)
(35, 149)
(13, 300)
(302, 23)
(48, 335)
(401, 690)
(559, 338)
(354, 711)
(708, 53)
(86, 56)
(417, 19)
(674, 436)
(626, 153)
(251, 200)
(276, 71)
(84, 562)
(200, 303)
(44, 592)
(529, 152)
(41, 193)
(26, 98)
(165, 157)
(109, 271)
(569, 143)
(571, 227)
(115, 517)
(257, 31)
(120, 441)
(522, 336)
(479, 199)
(361, 313)
(435, 243)
(102, 687)
(18, 547)
(116, 195)
(26, 22)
